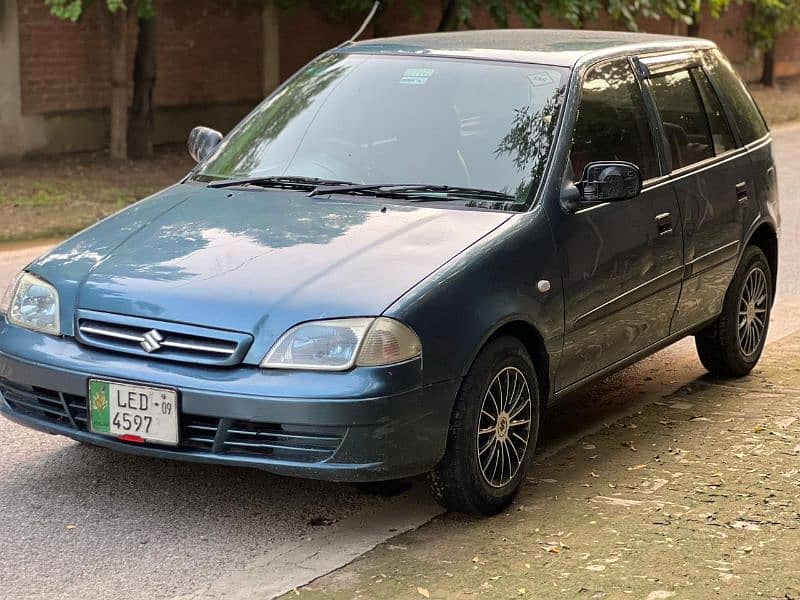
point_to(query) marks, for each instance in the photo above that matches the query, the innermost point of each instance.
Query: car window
(720, 129)
(372, 119)
(744, 112)
(684, 118)
(612, 121)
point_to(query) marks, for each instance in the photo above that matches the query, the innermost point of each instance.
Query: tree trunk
(448, 14)
(693, 30)
(378, 24)
(768, 74)
(118, 147)
(141, 124)
(270, 47)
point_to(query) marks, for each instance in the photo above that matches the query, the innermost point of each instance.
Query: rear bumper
(373, 424)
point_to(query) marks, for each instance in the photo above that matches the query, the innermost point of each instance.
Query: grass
(58, 196)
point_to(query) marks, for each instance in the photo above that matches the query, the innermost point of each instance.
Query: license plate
(136, 413)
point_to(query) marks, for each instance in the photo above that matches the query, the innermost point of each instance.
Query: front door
(622, 262)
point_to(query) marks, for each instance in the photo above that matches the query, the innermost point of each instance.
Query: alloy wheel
(753, 305)
(504, 427)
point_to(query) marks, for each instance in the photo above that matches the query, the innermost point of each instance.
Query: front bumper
(364, 425)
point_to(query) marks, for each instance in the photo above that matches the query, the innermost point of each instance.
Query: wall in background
(54, 76)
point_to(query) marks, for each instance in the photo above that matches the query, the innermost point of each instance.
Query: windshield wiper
(417, 192)
(279, 181)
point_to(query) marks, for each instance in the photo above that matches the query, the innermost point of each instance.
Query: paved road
(83, 522)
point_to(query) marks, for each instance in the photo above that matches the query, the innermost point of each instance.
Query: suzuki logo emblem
(152, 341)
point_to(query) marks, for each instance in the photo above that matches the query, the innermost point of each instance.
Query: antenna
(366, 22)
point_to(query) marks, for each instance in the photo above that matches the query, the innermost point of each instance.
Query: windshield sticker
(541, 78)
(416, 76)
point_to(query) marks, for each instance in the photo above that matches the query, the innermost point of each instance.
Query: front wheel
(493, 432)
(732, 344)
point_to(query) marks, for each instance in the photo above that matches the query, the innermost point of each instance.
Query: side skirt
(625, 362)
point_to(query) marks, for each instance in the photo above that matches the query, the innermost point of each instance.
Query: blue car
(403, 256)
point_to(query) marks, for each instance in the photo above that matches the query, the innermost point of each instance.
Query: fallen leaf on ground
(660, 595)
(746, 525)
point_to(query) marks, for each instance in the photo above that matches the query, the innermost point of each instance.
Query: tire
(732, 344)
(469, 477)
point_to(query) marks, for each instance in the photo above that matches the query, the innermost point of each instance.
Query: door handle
(664, 223)
(741, 192)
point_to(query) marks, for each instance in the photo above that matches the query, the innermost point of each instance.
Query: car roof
(561, 47)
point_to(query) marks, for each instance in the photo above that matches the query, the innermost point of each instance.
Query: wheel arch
(532, 339)
(765, 237)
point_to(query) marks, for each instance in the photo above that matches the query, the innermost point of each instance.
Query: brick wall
(63, 67)
(209, 52)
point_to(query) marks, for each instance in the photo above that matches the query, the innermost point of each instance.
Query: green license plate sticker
(99, 406)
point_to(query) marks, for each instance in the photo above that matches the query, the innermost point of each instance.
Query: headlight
(339, 344)
(34, 305)
(5, 300)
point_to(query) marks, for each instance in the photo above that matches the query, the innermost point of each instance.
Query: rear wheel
(732, 344)
(493, 432)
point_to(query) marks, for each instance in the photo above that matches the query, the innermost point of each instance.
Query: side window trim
(726, 109)
(726, 120)
(664, 64)
(699, 94)
(654, 118)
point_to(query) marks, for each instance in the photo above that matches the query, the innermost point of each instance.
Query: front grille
(291, 443)
(211, 435)
(199, 432)
(36, 402)
(161, 340)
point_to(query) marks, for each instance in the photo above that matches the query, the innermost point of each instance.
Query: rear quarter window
(744, 112)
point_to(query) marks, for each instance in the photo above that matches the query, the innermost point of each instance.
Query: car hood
(257, 261)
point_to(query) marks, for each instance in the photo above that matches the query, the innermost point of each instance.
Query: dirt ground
(51, 197)
(780, 104)
(698, 496)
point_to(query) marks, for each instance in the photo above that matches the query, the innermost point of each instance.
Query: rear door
(710, 174)
(621, 261)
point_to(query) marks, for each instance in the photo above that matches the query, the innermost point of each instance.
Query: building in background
(216, 60)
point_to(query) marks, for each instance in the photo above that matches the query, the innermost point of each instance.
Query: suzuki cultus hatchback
(400, 258)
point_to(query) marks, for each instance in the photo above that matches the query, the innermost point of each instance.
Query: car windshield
(399, 120)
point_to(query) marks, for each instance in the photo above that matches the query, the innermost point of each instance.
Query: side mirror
(202, 142)
(603, 182)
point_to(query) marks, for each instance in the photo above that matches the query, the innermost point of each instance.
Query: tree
(144, 72)
(690, 12)
(576, 13)
(769, 19)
